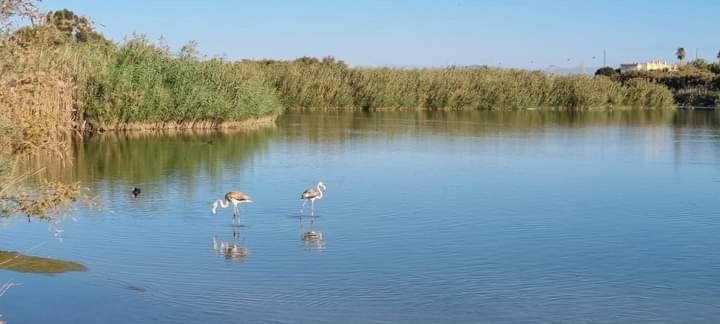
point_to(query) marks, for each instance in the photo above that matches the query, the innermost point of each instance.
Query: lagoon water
(457, 217)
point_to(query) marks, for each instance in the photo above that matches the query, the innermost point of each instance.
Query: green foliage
(140, 82)
(607, 71)
(74, 27)
(143, 84)
(696, 84)
(698, 98)
(642, 93)
(59, 27)
(680, 53)
(309, 83)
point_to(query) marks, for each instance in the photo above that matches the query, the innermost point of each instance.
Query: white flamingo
(312, 194)
(235, 198)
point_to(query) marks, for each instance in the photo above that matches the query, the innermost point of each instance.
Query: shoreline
(248, 124)
(425, 109)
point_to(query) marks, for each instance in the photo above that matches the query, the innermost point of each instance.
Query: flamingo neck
(220, 202)
(321, 191)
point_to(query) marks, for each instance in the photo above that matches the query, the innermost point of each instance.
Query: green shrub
(144, 84)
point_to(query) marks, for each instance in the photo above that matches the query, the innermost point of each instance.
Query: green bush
(698, 98)
(144, 84)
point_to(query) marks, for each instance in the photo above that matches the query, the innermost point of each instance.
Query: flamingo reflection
(231, 251)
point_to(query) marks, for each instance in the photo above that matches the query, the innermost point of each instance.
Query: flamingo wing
(237, 196)
(310, 194)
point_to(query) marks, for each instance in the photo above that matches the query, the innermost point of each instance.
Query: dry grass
(40, 106)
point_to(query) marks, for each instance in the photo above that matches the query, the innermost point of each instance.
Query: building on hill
(648, 66)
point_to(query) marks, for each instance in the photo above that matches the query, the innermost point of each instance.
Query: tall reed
(144, 84)
(330, 84)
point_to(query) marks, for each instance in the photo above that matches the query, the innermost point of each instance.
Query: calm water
(521, 217)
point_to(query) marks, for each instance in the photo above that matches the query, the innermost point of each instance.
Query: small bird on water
(235, 198)
(136, 191)
(311, 195)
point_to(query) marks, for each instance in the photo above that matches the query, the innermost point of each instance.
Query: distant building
(648, 66)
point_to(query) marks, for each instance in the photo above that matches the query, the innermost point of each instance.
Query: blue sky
(510, 33)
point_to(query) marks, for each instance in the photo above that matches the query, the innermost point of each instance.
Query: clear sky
(510, 33)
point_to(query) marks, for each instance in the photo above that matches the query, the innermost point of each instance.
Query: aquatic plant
(14, 261)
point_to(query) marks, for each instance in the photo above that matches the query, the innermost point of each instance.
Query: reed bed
(110, 86)
(145, 84)
(315, 84)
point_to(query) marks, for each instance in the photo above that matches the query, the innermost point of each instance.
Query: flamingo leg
(312, 206)
(302, 206)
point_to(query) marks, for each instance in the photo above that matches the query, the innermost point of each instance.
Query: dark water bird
(136, 289)
(311, 195)
(235, 198)
(136, 191)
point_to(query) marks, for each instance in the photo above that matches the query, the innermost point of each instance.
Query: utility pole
(604, 57)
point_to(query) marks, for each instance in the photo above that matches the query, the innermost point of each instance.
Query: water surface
(513, 217)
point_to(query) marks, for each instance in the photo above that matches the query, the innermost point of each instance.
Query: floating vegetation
(14, 261)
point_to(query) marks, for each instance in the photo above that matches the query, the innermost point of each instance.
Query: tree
(12, 10)
(307, 60)
(77, 28)
(718, 56)
(189, 51)
(680, 54)
(700, 64)
(606, 71)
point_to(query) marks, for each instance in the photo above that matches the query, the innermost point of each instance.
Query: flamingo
(234, 197)
(312, 194)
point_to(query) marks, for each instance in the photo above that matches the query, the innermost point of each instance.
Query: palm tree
(680, 54)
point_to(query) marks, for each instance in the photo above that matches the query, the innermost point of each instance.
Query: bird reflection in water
(231, 251)
(312, 238)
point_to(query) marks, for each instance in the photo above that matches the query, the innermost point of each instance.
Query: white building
(648, 66)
